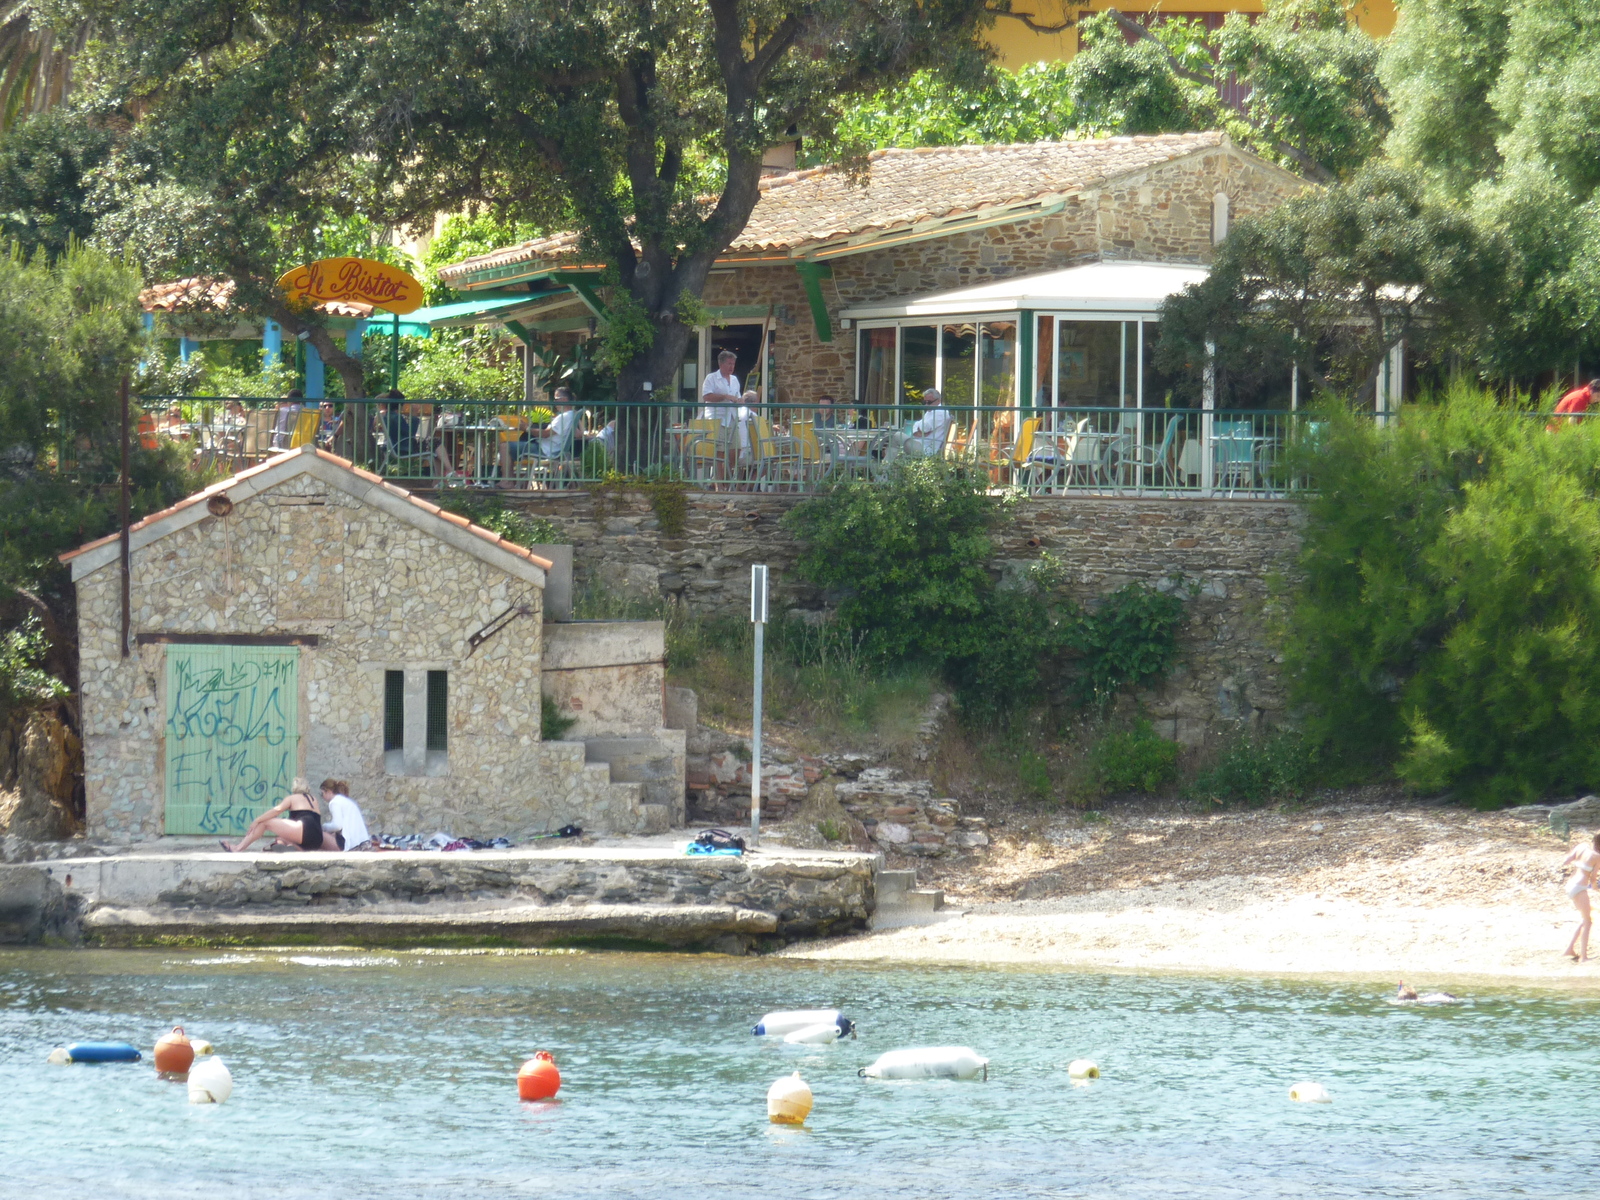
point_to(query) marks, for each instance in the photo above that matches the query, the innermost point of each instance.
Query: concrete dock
(622, 891)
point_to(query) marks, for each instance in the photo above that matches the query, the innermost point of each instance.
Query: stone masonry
(1227, 670)
(305, 551)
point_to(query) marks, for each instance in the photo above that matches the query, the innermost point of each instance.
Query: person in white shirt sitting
(555, 442)
(926, 437)
(345, 829)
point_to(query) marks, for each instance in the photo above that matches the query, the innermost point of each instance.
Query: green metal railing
(765, 448)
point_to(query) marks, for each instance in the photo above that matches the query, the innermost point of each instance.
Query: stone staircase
(902, 902)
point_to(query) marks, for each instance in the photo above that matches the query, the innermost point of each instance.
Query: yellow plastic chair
(804, 431)
(305, 428)
(700, 448)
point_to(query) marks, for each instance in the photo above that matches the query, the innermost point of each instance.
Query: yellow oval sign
(355, 281)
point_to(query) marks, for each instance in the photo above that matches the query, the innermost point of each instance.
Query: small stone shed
(305, 617)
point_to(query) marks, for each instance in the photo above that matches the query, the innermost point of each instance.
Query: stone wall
(380, 594)
(1229, 549)
(1163, 214)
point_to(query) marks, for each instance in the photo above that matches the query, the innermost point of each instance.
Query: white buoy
(789, 1101)
(778, 1024)
(929, 1062)
(813, 1035)
(209, 1082)
(59, 1057)
(1083, 1068)
(1310, 1093)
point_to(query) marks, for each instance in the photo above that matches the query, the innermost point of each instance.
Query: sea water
(362, 1074)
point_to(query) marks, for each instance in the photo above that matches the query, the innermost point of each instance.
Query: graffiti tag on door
(231, 734)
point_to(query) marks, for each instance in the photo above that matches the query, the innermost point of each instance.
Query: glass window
(689, 375)
(1091, 372)
(919, 362)
(875, 367)
(1176, 389)
(958, 345)
(394, 710)
(438, 712)
(998, 370)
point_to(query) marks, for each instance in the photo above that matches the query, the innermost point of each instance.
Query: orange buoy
(539, 1079)
(174, 1053)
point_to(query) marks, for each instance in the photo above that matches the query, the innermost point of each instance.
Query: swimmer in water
(1583, 860)
(1408, 995)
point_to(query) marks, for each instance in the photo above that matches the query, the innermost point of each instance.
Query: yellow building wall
(1017, 45)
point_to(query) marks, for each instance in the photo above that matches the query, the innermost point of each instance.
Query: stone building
(831, 269)
(304, 617)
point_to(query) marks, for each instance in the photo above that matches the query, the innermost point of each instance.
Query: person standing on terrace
(721, 394)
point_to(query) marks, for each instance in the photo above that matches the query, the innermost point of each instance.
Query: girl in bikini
(295, 820)
(1583, 860)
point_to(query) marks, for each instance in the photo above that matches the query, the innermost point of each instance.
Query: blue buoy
(101, 1052)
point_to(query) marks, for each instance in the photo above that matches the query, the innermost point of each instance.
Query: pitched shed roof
(805, 211)
(198, 293)
(337, 472)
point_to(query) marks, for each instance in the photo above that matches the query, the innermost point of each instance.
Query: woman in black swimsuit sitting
(296, 820)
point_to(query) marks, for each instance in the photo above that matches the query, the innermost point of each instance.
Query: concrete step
(923, 900)
(892, 885)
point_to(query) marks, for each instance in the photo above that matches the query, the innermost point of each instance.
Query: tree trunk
(641, 432)
(351, 372)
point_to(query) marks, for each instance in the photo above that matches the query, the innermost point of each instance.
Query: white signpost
(758, 617)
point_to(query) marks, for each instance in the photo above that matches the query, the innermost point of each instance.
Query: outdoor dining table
(855, 449)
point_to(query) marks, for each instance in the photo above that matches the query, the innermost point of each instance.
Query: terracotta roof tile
(809, 208)
(216, 295)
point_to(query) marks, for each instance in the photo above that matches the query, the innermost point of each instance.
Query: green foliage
(907, 561)
(456, 365)
(1128, 639)
(47, 188)
(554, 725)
(931, 109)
(229, 379)
(578, 369)
(1257, 769)
(1445, 618)
(831, 830)
(23, 684)
(488, 510)
(1126, 89)
(1286, 286)
(463, 235)
(1134, 760)
(1316, 103)
(906, 558)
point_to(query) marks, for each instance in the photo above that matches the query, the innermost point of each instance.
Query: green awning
(458, 312)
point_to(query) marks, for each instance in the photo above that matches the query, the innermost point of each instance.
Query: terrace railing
(759, 448)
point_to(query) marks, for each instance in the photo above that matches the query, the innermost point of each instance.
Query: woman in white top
(1583, 860)
(345, 828)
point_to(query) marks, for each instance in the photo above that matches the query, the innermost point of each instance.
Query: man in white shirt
(721, 395)
(345, 829)
(555, 442)
(721, 390)
(925, 438)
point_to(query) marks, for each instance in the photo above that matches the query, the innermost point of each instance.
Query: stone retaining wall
(1229, 550)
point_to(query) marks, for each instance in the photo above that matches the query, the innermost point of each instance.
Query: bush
(1448, 615)
(1134, 760)
(907, 558)
(1128, 639)
(554, 724)
(1257, 770)
(490, 512)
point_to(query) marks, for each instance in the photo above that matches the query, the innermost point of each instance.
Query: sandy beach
(1435, 895)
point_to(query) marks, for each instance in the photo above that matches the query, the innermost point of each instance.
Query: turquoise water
(374, 1074)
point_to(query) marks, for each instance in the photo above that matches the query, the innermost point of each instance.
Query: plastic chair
(778, 457)
(1157, 459)
(305, 428)
(700, 448)
(1234, 445)
(537, 465)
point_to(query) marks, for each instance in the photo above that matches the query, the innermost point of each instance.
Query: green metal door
(232, 729)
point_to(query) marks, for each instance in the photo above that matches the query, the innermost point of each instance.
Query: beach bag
(719, 839)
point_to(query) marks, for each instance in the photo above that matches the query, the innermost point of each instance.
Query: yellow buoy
(201, 1046)
(1083, 1068)
(788, 1101)
(1310, 1093)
